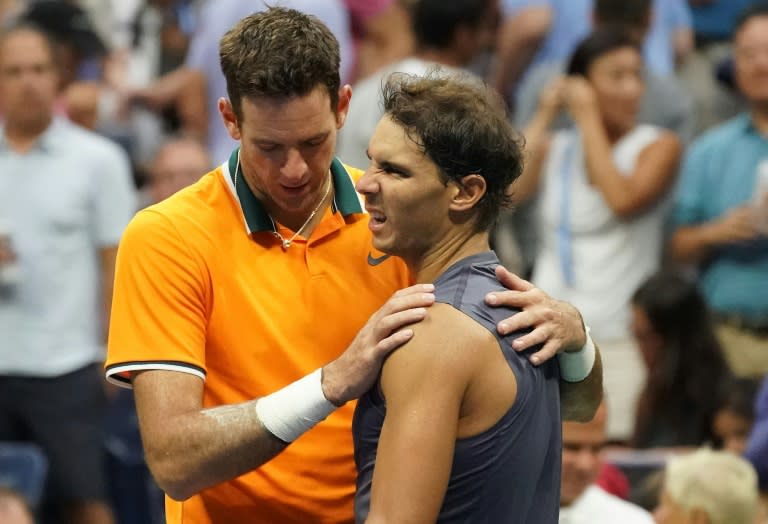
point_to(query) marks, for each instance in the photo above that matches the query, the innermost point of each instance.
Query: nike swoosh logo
(373, 261)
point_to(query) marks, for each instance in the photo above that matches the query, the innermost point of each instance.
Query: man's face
(751, 59)
(670, 512)
(582, 444)
(28, 80)
(287, 146)
(405, 196)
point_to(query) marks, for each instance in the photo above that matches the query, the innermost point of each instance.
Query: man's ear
(469, 190)
(345, 96)
(230, 118)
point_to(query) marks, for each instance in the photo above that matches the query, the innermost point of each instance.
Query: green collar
(257, 218)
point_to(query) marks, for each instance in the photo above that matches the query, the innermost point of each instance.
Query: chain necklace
(288, 241)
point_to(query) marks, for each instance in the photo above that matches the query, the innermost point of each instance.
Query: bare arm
(424, 396)
(654, 171)
(189, 448)
(520, 37)
(191, 106)
(537, 140)
(694, 244)
(579, 400)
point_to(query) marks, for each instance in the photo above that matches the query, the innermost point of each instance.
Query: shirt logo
(373, 261)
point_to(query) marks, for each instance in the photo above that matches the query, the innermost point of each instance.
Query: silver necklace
(288, 241)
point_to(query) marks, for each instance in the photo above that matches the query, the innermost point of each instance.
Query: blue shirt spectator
(715, 20)
(719, 175)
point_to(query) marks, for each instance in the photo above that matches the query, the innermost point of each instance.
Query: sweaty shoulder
(447, 340)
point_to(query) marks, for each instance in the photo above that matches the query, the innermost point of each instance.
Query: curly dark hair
(461, 125)
(279, 53)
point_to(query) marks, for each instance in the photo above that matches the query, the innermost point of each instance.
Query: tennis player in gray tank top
(459, 427)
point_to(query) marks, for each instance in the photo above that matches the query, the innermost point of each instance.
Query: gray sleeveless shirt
(510, 473)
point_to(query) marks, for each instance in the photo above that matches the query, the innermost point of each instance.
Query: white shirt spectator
(595, 506)
(64, 200)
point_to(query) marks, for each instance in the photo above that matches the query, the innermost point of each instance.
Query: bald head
(178, 163)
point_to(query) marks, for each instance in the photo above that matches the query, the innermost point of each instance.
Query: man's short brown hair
(279, 53)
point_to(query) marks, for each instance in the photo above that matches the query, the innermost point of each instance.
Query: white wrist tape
(295, 409)
(577, 365)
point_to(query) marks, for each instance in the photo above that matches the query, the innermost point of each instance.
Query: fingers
(415, 289)
(518, 322)
(511, 281)
(540, 335)
(388, 324)
(547, 352)
(392, 342)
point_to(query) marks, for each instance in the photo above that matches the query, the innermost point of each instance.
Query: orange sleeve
(159, 307)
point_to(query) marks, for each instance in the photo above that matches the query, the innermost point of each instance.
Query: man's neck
(449, 251)
(760, 118)
(21, 137)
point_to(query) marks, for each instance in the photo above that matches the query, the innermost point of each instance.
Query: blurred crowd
(644, 202)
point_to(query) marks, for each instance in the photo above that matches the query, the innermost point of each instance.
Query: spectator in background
(201, 79)
(14, 509)
(708, 487)
(66, 194)
(79, 55)
(178, 163)
(542, 31)
(601, 208)
(686, 369)
(717, 225)
(381, 33)
(713, 23)
(736, 414)
(581, 501)
(448, 35)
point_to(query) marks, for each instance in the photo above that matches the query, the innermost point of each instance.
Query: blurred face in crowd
(751, 59)
(287, 146)
(732, 429)
(617, 80)
(475, 40)
(177, 165)
(28, 79)
(650, 343)
(582, 444)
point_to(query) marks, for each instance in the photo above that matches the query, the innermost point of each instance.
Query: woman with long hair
(686, 368)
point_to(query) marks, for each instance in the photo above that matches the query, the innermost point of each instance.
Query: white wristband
(577, 365)
(295, 409)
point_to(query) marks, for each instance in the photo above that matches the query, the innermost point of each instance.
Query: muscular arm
(652, 176)
(579, 400)
(519, 39)
(424, 387)
(189, 448)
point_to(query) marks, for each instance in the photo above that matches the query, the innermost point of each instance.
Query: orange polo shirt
(204, 287)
